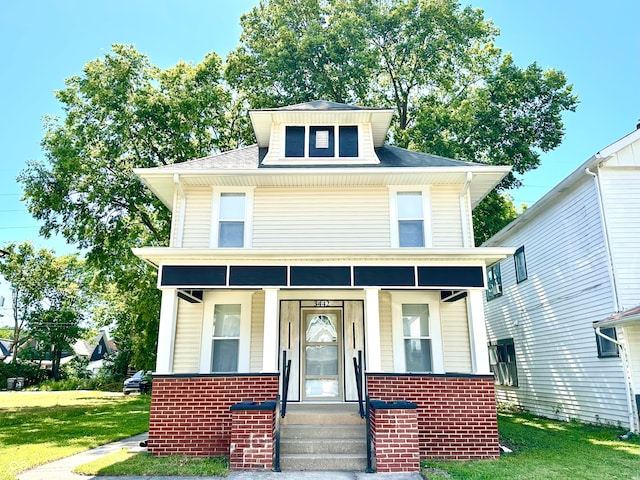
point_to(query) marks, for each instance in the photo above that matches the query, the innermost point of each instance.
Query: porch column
(270, 338)
(372, 329)
(477, 333)
(167, 330)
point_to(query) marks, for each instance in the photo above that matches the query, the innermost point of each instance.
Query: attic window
(326, 141)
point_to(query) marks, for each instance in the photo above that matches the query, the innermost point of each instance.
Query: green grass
(125, 463)
(38, 427)
(547, 449)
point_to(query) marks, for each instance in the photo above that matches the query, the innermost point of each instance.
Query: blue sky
(597, 45)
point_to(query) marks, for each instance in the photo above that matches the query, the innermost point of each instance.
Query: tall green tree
(455, 93)
(123, 112)
(49, 299)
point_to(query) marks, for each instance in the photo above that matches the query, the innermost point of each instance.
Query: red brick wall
(190, 414)
(252, 439)
(394, 434)
(457, 416)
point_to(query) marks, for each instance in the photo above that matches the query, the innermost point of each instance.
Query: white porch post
(372, 319)
(477, 333)
(167, 330)
(270, 339)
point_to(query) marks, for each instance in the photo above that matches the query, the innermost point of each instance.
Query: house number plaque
(323, 303)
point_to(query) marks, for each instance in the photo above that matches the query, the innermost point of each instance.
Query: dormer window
(320, 141)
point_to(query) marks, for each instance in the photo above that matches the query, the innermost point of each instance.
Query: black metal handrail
(276, 459)
(357, 367)
(286, 374)
(369, 442)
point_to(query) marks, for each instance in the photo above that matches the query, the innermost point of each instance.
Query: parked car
(139, 382)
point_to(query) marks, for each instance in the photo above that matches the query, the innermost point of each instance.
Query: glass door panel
(322, 357)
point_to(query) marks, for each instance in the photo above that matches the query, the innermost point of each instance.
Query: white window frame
(211, 299)
(248, 215)
(426, 214)
(432, 299)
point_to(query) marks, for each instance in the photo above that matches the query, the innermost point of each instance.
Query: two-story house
(320, 245)
(576, 267)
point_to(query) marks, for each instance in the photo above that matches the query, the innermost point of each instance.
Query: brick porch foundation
(190, 414)
(457, 416)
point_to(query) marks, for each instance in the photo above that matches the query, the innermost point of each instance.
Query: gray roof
(251, 158)
(317, 105)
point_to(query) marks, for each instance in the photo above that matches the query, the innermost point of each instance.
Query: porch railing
(286, 374)
(357, 368)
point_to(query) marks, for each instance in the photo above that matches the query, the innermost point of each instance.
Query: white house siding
(321, 217)
(257, 331)
(446, 217)
(186, 357)
(632, 340)
(621, 198)
(455, 337)
(197, 221)
(550, 314)
(386, 332)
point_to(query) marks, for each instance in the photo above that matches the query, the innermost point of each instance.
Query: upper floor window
(231, 220)
(521, 265)
(417, 341)
(410, 219)
(320, 141)
(494, 282)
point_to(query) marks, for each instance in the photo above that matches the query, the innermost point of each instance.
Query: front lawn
(547, 449)
(38, 427)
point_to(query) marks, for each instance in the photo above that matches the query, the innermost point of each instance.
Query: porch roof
(620, 319)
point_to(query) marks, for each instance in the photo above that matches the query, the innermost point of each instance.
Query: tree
(49, 301)
(455, 93)
(122, 112)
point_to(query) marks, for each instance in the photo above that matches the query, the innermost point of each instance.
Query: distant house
(5, 348)
(322, 245)
(94, 350)
(576, 267)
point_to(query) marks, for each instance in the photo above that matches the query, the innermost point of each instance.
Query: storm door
(321, 363)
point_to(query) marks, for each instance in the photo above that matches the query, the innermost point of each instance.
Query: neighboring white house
(577, 262)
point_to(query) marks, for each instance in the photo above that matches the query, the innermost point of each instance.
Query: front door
(322, 357)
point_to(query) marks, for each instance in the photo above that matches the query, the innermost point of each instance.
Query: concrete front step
(322, 432)
(323, 446)
(323, 462)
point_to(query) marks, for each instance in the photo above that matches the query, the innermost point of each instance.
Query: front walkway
(61, 469)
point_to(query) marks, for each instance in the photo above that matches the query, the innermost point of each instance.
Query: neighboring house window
(521, 265)
(320, 141)
(231, 219)
(494, 282)
(607, 348)
(502, 359)
(417, 342)
(225, 347)
(410, 219)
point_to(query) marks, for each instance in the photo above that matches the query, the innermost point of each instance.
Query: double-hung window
(417, 341)
(231, 220)
(494, 282)
(502, 361)
(410, 219)
(225, 344)
(521, 265)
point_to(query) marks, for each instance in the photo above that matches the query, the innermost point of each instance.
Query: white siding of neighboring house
(550, 314)
(186, 357)
(455, 337)
(446, 216)
(321, 217)
(621, 198)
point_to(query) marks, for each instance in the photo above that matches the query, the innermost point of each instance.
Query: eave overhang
(627, 317)
(162, 181)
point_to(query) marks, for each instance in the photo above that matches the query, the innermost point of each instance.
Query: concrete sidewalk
(62, 469)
